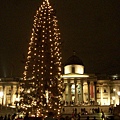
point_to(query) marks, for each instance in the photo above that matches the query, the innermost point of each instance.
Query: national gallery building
(79, 88)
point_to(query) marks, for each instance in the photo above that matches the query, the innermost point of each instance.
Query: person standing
(87, 118)
(103, 115)
(94, 118)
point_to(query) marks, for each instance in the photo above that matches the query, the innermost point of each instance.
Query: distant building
(79, 88)
(9, 91)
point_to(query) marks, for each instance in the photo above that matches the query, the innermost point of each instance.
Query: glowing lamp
(114, 89)
(113, 97)
(118, 93)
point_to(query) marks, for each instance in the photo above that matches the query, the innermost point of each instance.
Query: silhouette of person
(94, 118)
(87, 118)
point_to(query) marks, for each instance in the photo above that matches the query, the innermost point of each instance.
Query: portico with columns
(79, 88)
(79, 91)
(9, 91)
(86, 89)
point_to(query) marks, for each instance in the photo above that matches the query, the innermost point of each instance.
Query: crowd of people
(74, 116)
(9, 117)
(71, 103)
(51, 117)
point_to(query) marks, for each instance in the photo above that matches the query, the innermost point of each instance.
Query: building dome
(74, 65)
(74, 60)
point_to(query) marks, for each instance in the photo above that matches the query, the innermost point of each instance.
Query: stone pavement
(116, 117)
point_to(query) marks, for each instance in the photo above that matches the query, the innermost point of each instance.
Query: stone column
(88, 82)
(12, 94)
(79, 93)
(95, 94)
(101, 94)
(108, 95)
(69, 92)
(4, 95)
(116, 96)
(63, 96)
(65, 93)
(76, 92)
(82, 91)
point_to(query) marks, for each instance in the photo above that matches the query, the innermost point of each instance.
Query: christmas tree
(41, 88)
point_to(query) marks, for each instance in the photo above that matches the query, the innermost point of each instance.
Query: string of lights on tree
(42, 87)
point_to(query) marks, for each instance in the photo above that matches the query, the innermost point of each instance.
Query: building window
(73, 69)
(104, 90)
(98, 90)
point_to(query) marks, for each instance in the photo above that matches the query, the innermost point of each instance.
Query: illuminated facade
(9, 91)
(86, 89)
(79, 88)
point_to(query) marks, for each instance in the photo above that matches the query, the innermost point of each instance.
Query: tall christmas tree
(42, 87)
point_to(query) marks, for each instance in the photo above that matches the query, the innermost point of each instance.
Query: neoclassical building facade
(86, 89)
(9, 91)
(79, 88)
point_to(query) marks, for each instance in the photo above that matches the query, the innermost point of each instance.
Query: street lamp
(114, 89)
(119, 93)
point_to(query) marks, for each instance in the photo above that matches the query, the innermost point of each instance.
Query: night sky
(89, 27)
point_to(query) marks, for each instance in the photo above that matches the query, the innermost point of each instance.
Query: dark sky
(90, 27)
